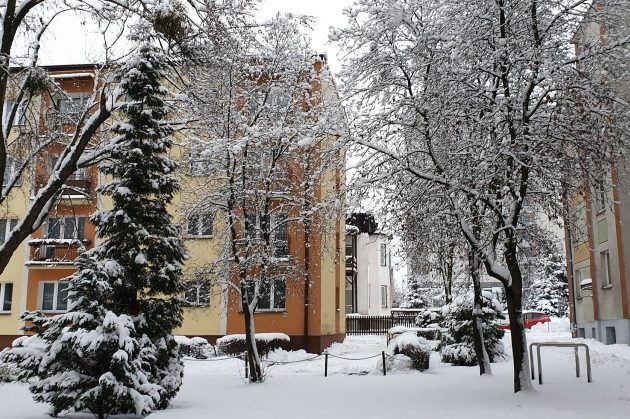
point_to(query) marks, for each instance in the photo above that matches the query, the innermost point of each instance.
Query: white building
(368, 267)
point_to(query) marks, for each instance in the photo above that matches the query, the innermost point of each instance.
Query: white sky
(326, 13)
(72, 40)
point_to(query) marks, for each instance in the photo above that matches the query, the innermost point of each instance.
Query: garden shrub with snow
(195, 347)
(429, 317)
(456, 343)
(413, 346)
(8, 373)
(265, 342)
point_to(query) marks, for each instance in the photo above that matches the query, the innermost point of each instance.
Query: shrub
(265, 342)
(413, 346)
(456, 342)
(7, 373)
(195, 347)
(429, 317)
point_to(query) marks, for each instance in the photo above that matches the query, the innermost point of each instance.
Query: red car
(530, 318)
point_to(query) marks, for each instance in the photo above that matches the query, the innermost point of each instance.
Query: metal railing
(377, 325)
(575, 347)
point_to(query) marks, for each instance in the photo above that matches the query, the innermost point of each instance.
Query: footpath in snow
(357, 389)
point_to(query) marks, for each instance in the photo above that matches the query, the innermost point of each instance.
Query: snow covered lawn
(356, 389)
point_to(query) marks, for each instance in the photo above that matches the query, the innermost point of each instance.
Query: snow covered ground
(356, 389)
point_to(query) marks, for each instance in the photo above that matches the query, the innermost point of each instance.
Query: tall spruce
(113, 351)
(142, 242)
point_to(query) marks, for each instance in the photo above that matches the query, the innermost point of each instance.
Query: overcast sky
(69, 40)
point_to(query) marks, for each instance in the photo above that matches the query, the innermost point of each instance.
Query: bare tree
(268, 137)
(484, 102)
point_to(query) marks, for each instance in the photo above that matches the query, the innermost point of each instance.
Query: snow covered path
(300, 390)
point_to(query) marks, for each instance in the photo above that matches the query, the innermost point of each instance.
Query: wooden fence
(377, 325)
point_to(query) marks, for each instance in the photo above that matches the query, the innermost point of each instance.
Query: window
(593, 333)
(577, 279)
(600, 197)
(65, 228)
(383, 254)
(199, 162)
(279, 98)
(20, 115)
(200, 225)
(6, 226)
(272, 294)
(53, 296)
(197, 293)
(280, 236)
(611, 336)
(71, 104)
(10, 169)
(384, 296)
(6, 295)
(604, 259)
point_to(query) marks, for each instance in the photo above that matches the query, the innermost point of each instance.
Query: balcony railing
(56, 251)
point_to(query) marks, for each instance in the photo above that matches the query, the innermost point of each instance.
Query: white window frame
(20, 115)
(272, 293)
(600, 197)
(604, 260)
(198, 164)
(383, 255)
(62, 226)
(10, 224)
(197, 285)
(577, 278)
(384, 296)
(3, 286)
(40, 299)
(274, 233)
(199, 227)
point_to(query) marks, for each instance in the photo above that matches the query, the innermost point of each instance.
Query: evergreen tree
(456, 341)
(549, 290)
(113, 352)
(415, 296)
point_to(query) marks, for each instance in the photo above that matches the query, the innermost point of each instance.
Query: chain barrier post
(384, 367)
(246, 366)
(325, 362)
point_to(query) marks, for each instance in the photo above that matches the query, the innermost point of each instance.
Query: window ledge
(607, 287)
(188, 237)
(5, 313)
(270, 311)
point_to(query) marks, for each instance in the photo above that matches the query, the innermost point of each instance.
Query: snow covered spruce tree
(113, 351)
(456, 343)
(549, 290)
(521, 110)
(415, 295)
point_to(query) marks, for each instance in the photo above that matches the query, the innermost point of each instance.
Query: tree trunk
(253, 360)
(514, 296)
(483, 360)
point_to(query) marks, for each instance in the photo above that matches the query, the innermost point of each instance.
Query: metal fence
(377, 325)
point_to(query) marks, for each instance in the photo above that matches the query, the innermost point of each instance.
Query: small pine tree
(415, 296)
(113, 352)
(456, 342)
(549, 290)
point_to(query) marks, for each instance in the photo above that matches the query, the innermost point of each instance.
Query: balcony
(55, 251)
(351, 264)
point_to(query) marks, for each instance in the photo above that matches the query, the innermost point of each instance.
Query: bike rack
(575, 346)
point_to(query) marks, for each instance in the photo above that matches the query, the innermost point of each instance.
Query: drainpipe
(307, 252)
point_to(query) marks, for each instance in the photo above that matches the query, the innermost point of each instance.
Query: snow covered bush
(195, 347)
(549, 291)
(429, 317)
(413, 346)
(265, 343)
(456, 342)
(8, 373)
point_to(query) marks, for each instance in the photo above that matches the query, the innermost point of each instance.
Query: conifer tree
(549, 291)
(113, 352)
(415, 296)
